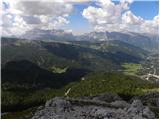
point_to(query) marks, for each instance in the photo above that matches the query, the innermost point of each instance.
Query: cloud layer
(24, 15)
(19, 16)
(109, 16)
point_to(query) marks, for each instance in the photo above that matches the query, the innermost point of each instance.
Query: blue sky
(77, 21)
(145, 9)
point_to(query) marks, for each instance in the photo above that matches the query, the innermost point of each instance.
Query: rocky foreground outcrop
(103, 106)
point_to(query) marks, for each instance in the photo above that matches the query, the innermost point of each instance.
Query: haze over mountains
(142, 40)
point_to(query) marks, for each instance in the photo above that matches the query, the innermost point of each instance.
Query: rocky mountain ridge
(103, 106)
(142, 40)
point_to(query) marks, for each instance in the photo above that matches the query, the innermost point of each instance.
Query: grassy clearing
(131, 68)
(59, 70)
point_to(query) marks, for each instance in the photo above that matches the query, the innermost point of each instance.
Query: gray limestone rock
(98, 107)
(107, 97)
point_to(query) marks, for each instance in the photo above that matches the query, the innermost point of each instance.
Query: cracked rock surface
(104, 106)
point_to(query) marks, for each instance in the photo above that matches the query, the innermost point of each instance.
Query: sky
(79, 16)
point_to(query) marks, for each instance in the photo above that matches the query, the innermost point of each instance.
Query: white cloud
(54, 23)
(16, 27)
(129, 18)
(109, 16)
(44, 14)
(150, 25)
(20, 16)
(106, 15)
(138, 24)
(77, 1)
(31, 20)
(47, 8)
(7, 20)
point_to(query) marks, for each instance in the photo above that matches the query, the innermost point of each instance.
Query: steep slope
(17, 49)
(96, 83)
(27, 75)
(113, 47)
(48, 54)
(24, 83)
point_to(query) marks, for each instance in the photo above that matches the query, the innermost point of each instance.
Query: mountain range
(79, 54)
(142, 40)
